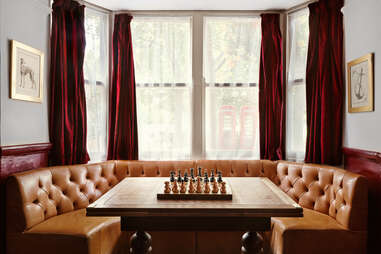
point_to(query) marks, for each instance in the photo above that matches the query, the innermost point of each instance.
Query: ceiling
(196, 4)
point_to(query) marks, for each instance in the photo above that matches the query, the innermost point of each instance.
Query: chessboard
(195, 188)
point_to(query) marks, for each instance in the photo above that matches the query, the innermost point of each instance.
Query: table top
(252, 197)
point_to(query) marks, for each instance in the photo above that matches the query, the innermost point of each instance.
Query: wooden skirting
(368, 164)
(14, 159)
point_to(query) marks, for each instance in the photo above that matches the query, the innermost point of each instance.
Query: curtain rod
(300, 6)
(94, 6)
(182, 12)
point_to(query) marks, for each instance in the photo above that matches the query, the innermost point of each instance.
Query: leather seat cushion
(314, 233)
(73, 232)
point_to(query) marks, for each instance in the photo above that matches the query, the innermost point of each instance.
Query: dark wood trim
(368, 164)
(24, 149)
(363, 154)
(14, 159)
(173, 223)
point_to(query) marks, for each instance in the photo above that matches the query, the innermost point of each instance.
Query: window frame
(110, 22)
(198, 150)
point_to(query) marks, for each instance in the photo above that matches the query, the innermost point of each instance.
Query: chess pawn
(223, 187)
(198, 186)
(167, 189)
(174, 187)
(183, 188)
(191, 187)
(215, 187)
(206, 188)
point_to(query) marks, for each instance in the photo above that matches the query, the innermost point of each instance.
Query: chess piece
(219, 179)
(206, 178)
(183, 188)
(167, 189)
(215, 187)
(174, 187)
(186, 177)
(199, 172)
(172, 178)
(192, 173)
(206, 188)
(179, 178)
(223, 188)
(198, 186)
(212, 179)
(191, 187)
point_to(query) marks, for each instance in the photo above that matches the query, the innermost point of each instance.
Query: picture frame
(27, 65)
(361, 84)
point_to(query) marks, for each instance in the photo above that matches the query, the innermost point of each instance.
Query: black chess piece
(212, 176)
(206, 178)
(199, 172)
(192, 174)
(186, 177)
(219, 179)
(179, 178)
(172, 177)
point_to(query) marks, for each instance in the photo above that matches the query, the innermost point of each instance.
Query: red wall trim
(363, 154)
(18, 158)
(368, 164)
(25, 149)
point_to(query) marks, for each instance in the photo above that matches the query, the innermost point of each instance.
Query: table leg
(140, 243)
(252, 243)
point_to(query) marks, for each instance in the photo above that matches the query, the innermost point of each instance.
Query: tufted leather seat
(45, 209)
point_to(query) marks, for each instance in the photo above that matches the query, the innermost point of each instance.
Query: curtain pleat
(324, 83)
(271, 91)
(67, 125)
(123, 131)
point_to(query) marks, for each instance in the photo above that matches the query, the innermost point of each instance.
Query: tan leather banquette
(46, 209)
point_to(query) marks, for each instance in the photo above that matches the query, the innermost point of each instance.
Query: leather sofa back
(37, 195)
(329, 190)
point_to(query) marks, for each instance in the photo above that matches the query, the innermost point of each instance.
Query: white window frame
(198, 94)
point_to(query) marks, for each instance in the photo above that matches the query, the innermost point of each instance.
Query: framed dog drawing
(26, 73)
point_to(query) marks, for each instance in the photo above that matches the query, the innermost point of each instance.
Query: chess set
(195, 187)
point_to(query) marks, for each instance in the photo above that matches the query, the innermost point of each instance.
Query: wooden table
(255, 201)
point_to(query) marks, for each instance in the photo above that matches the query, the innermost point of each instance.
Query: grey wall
(362, 20)
(26, 21)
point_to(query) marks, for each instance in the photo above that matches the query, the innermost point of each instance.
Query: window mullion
(198, 87)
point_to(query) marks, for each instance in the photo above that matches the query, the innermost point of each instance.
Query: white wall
(26, 21)
(362, 20)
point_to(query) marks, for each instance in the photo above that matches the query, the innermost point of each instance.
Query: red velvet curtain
(271, 91)
(68, 125)
(123, 132)
(324, 83)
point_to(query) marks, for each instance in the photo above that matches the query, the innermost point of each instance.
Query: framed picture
(360, 84)
(26, 73)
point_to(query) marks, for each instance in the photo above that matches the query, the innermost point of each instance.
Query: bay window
(197, 80)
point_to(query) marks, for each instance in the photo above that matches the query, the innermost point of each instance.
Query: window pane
(231, 71)
(296, 88)
(162, 56)
(96, 82)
